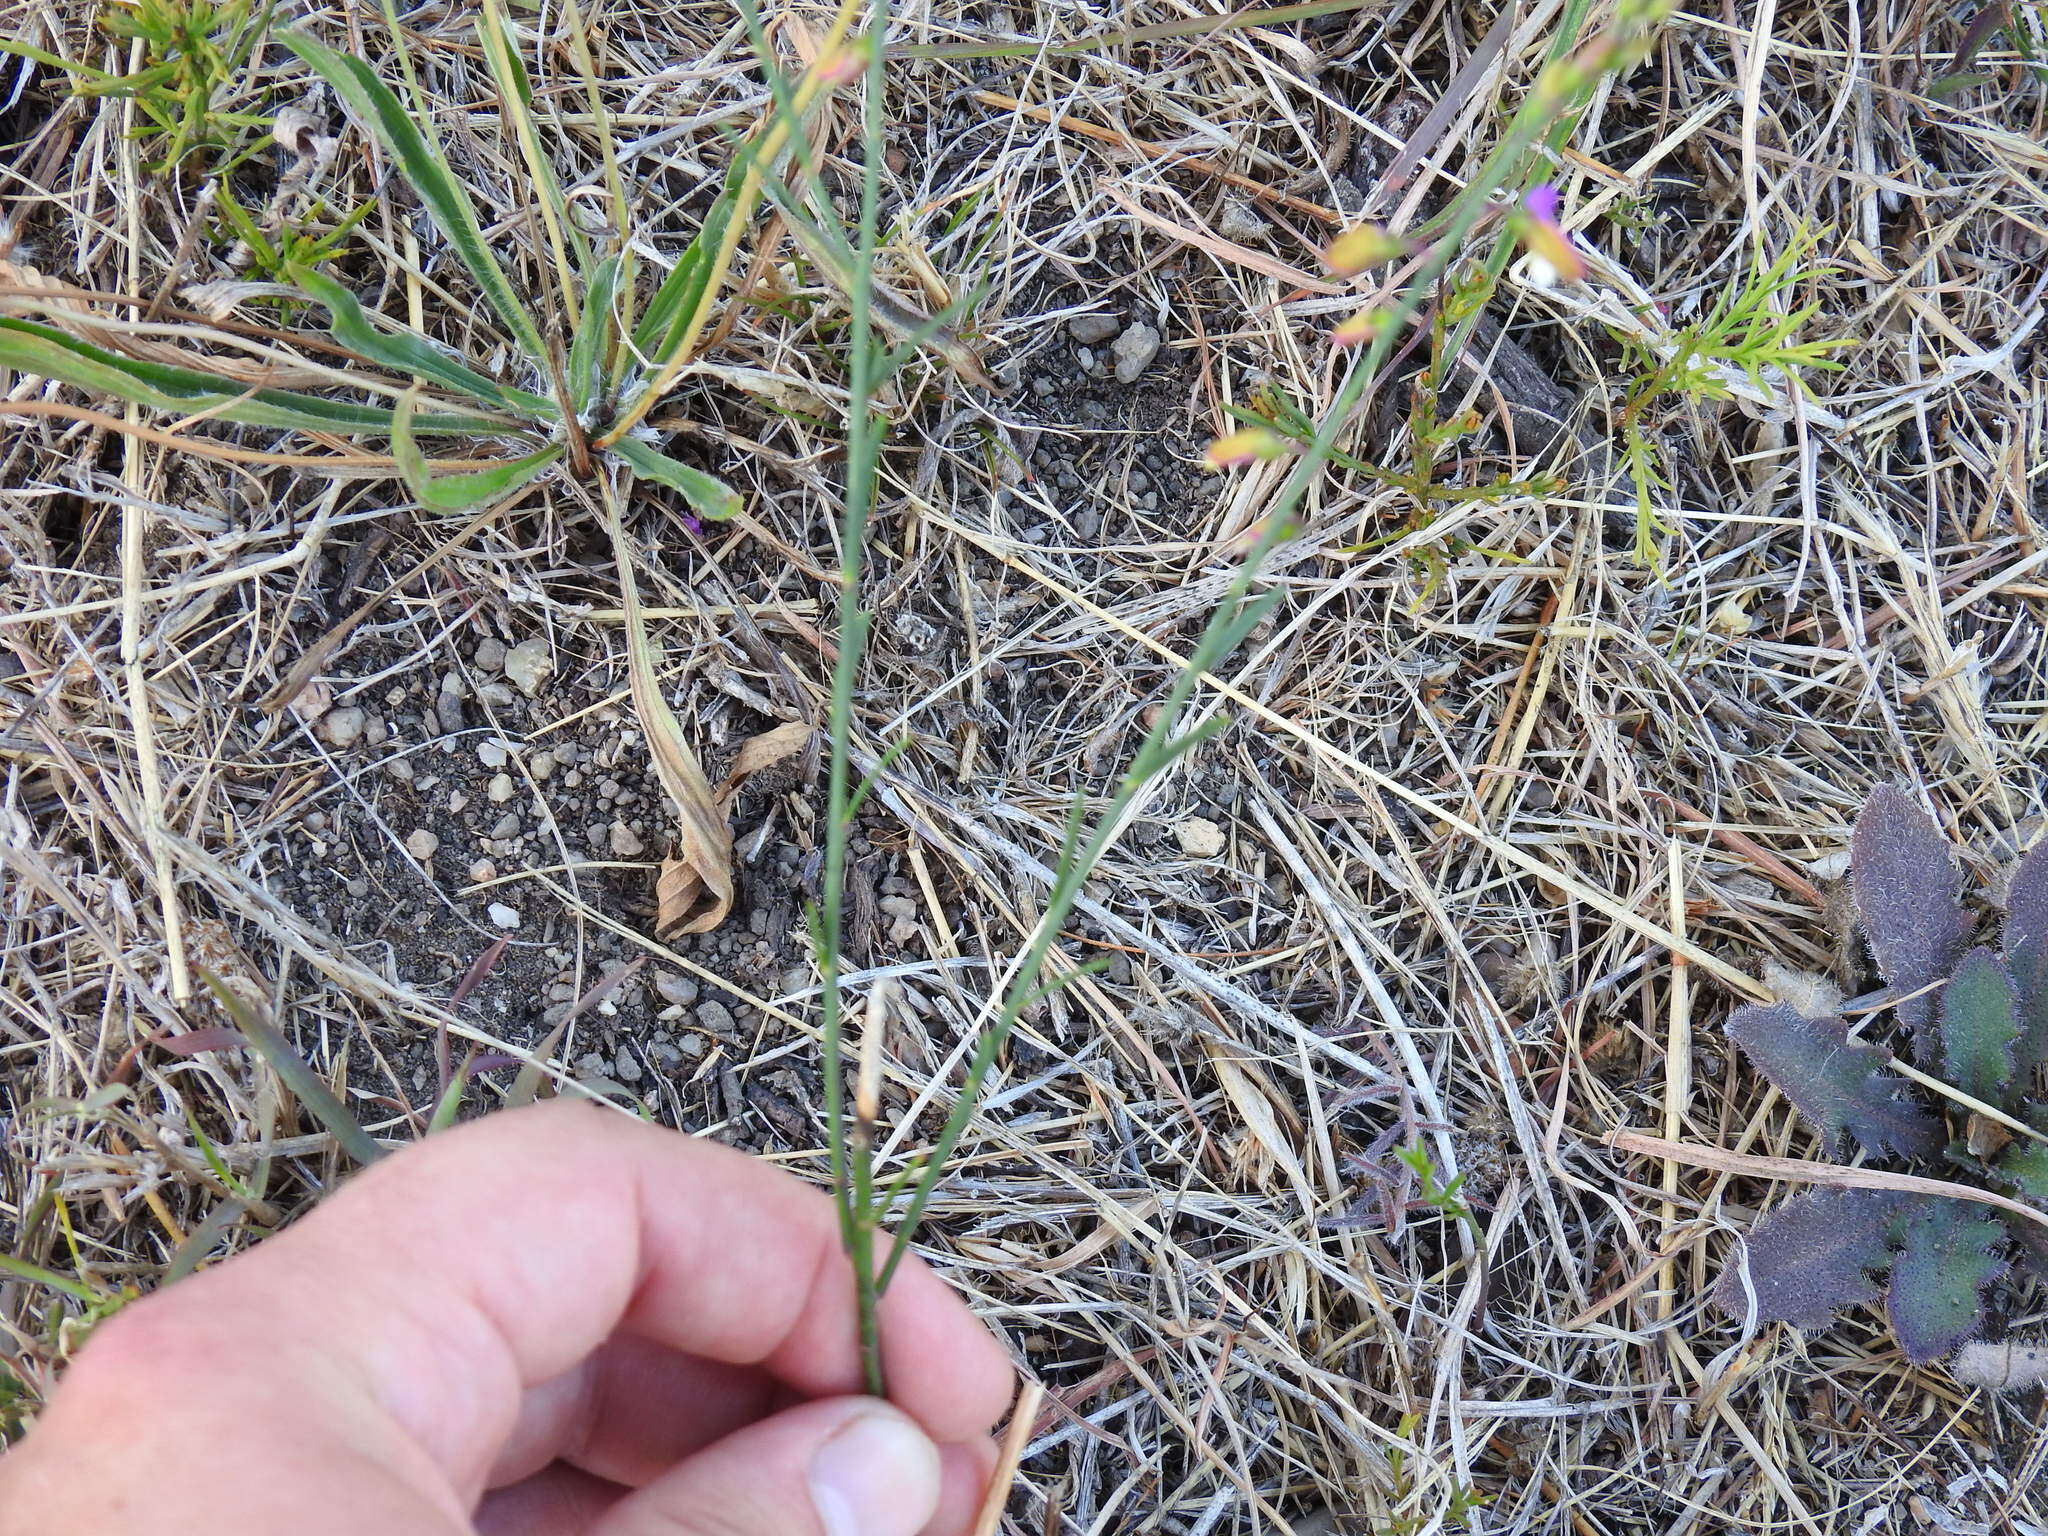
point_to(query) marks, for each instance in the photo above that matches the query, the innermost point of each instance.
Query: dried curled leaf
(764, 751)
(694, 889)
(1903, 875)
(1836, 1084)
(1979, 1020)
(1946, 1258)
(1813, 1254)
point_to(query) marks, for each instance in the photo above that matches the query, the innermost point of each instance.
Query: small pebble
(680, 990)
(508, 826)
(502, 915)
(1199, 837)
(490, 654)
(528, 665)
(626, 843)
(492, 754)
(422, 844)
(717, 1018)
(1134, 351)
(626, 1065)
(482, 870)
(1091, 329)
(540, 765)
(341, 727)
(501, 789)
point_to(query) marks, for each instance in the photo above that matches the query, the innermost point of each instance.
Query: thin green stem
(1235, 616)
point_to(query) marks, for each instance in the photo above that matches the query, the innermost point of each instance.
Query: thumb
(848, 1466)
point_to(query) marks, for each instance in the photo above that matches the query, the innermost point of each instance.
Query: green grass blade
(35, 1274)
(591, 350)
(707, 495)
(515, 98)
(464, 490)
(406, 351)
(306, 1084)
(660, 330)
(373, 104)
(449, 1105)
(28, 347)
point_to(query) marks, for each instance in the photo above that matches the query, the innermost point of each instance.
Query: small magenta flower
(1552, 256)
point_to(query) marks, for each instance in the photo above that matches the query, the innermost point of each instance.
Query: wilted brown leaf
(764, 751)
(696, 898)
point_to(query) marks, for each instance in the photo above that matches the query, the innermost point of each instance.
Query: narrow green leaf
(35, 1274)
(372, 103)
(407, 351)
(462, 490)
(591, 349)
(1946, 1257)
(28, 347)
(707, 495)
(1979, 1021)
(682, 291)
(449, 1105)
(200, 1241)
(297, 1075)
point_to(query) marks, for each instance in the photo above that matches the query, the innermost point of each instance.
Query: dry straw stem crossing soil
(1501, 824)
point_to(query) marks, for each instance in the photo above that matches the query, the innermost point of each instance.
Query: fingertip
(964, 1471)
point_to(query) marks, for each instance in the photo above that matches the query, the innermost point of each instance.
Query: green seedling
(1745, 336)
(578, 403)
(1975, 1018)
(302, 242)
(194, 60)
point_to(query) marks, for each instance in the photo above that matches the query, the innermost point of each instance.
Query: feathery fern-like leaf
(1813, 1254)
(1946, 1258)
(1979, 1021)
(1903, 875)
(1836, 1084)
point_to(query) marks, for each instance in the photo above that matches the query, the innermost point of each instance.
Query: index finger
(445, 1281)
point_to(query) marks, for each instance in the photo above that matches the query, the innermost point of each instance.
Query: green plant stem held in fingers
(1565, 85)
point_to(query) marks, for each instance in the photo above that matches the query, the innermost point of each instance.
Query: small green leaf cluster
(580, 408)
(1976, 1019)
(194, 56)
(1746, 335)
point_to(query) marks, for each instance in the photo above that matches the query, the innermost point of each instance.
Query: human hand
(553, 1322)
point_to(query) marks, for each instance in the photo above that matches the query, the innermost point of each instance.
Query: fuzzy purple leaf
(1903, 875)
(1813, 1254)
(1979, 1021)
(1835, 1083)
(2026, 951)
(1946, 1258)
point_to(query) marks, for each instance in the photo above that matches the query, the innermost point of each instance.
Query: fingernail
(878, 1476)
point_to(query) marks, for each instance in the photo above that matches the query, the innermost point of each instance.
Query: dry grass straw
(1466, 830)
